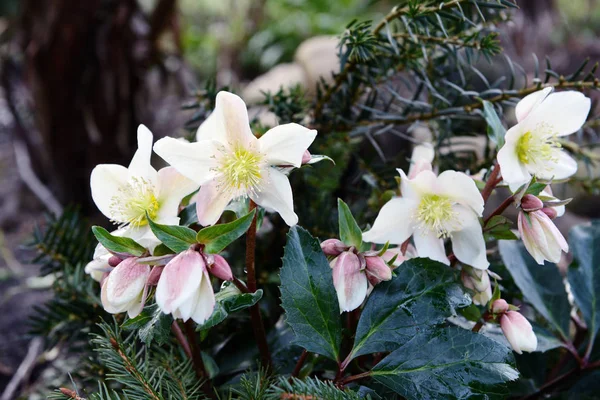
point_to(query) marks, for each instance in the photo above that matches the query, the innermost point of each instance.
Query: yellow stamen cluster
(435, 213)
(240, 169)
(133, 201)
(537, 148)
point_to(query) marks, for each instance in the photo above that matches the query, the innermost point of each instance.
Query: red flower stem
(503, 206)
(491, 183)
(257, 324)
(181, 339)
(190, 331)
(356, 377)
(300, 363)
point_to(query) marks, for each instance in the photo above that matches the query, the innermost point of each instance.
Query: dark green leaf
(229, 301)
(151, 324)
(188, 215)
(350, 233)
(308, 295)
(496, 130)
(499, 228)
(584, 273)
(542, 285)
(161, 250)
(217, 237)
(177, 238)
(450, 363)
(117, 244)
(422, 294)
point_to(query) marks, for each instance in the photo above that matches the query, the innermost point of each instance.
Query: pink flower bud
(114, 261)
(349, 281)
(550, 212)
(220, 268)
(499, 306)
(184, 288)
(155, 275)
(126, 288)
(531, 203)
(333, 247)
(541, 237)
(518, 332)
(377, 270)
(306, 157)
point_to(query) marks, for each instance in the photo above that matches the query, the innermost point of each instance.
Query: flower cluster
(226, 162)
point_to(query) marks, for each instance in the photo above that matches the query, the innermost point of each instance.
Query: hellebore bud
(306, 157)
(479, 282)
(499, 306)
(349, 281)
(333, 247)
(220, 268)
(518, 332)
(550, 212)
(377, 270)
(541, 237)
(531, 203)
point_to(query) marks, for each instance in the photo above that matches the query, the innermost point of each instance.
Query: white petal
(275, 193)
(530, 102)
(194, 160)
(186, 309)
(565, 112)
(206, 301)
(461, 188)
(394, 222)
(350, 283)
(232, 115)
(105, 182)
(514, 173)
(565, 167)
(135, 307)
(285, 144)
(468, 244)
(210, 203)
(421, 159)
(424, 182)
(211, 130)
(533, 236)
(430, 246)
(106, 304)
(172, 188)
(140, 163)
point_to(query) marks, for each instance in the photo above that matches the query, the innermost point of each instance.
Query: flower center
(133, 201)
(538, 147)
(240, 170)
(435, 214)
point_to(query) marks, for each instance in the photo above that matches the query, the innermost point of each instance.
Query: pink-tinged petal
(565, 112)
(232, 116)
(172, 188)
(430, 246)
(126, 282)
(140, 166)
(108, 307)
(564, 167)
(514, 173)
(555, 242)
(210, 203)
(106, 181)
(421, 159)
(533, 236)
(349, 282)
(136, 307)
(179, 280)
(461, 188)
(530, 102)
(518, 332)
(275, 194)
(468, 243)
(100, 263)
(397, 252)
(286, 144)
(155, 275)
(206, 301)
(394, 223)
(196, 161)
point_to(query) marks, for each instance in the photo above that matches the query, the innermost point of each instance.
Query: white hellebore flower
(184, 288)
(228, 161)
(532, 146)
(125, 195)
(433, 208)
